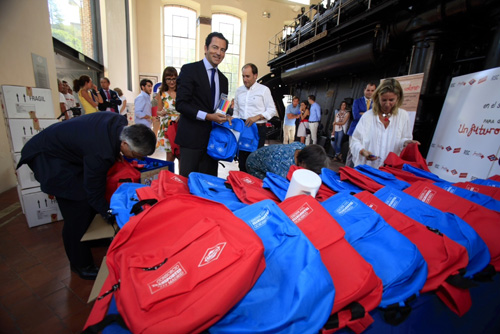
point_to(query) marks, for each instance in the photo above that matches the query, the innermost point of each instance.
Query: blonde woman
(87, 94)
(383, 129)
(166, 96)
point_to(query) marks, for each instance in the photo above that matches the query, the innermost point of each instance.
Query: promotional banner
(412, 85)
(466, 143)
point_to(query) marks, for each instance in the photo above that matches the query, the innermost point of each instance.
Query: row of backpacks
(233, 256)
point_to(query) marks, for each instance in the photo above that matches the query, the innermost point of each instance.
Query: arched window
(230, 27)
(179, 35)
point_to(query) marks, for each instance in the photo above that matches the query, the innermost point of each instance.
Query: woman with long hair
(383, 129)
(339, 129)
(123, 98)
(166, 96)
(304, 123)
(87, 93)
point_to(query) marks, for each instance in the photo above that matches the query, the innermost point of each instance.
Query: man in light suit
(110, 98)
(199, 87)
(359, 107)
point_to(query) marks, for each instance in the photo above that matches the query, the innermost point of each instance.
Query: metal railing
(308, 27)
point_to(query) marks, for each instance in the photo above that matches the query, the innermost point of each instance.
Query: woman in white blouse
(384, 128)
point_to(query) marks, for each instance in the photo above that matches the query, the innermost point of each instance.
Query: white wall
(21, 34)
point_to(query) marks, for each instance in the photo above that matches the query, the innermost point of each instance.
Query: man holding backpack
(254, 104)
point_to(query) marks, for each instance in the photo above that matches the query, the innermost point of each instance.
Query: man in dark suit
(359, 107)
(110, 98)
(71, 160)
(199, 87)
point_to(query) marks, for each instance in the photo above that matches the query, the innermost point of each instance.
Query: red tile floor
(38, 291)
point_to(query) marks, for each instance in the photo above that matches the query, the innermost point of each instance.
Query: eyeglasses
(170, 79)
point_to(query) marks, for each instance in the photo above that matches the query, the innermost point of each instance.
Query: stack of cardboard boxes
(28, 111)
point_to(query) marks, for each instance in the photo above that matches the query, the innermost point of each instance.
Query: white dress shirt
(253, 101)
(370, 134)
(142, 107)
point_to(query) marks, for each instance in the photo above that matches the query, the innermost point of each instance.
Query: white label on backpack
(177, 179)
(426, 195)
(393, 201)
(170, 277)
(373, 206)
(301, 213)
(260, 220)
(346, 207)
(248, 180)
(212, 254)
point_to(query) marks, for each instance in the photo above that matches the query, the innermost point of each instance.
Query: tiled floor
(38, 291)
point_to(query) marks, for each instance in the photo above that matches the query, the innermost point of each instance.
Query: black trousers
(243, 155)
(196, 160)
(77, 217)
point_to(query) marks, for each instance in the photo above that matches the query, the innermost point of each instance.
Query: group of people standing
(89, 98)
(377, 127)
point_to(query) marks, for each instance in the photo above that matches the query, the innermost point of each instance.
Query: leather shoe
(88, 273)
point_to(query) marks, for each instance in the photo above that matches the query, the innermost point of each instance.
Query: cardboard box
(39, 208)
(19, 101)
(25, 176)
(99, 229)
(149, 174)
(22, 130)
(99, 281)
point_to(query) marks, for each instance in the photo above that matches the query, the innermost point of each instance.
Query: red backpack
(358, 289)
(248, 188)
(122, 171)
(359, 179)
(403, 175)
(410, 155)
(175, 269)
(446, 259)
(484, 221)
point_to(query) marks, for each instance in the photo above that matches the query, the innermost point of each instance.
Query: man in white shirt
(62, 101)
(70, 99)
(142, 104)
(254, 104)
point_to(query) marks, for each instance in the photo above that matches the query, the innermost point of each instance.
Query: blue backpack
(223, 144)
(395, 259)
(249, 138)
(295, 292)
(332, 180)
(421, 173)
(488, 182)
(123, 200)
(213, 188)
(277, 184)
(441, 222)
(384, 178)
